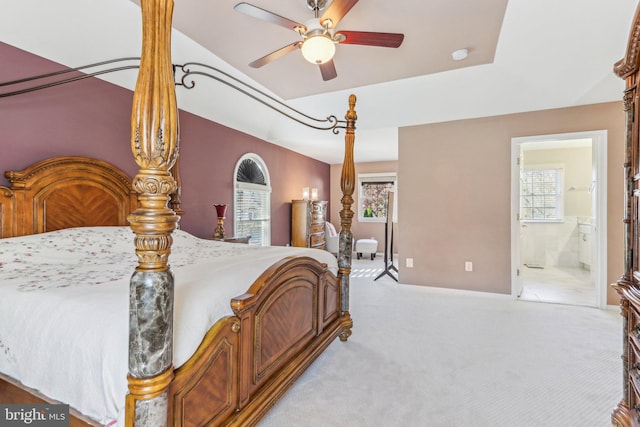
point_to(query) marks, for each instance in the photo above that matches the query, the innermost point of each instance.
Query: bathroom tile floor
(562, 285)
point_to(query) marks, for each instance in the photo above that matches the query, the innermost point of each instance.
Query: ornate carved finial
(154, 140)
(347, 179)
(629, 64)
(351, 114)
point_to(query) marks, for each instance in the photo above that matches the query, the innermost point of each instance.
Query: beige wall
(458, 177)
(361, 230)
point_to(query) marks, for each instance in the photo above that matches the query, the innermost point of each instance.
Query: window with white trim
(541, 196)
(373, 190)
(252, 195)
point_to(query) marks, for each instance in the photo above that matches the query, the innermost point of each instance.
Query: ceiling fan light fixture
(318, 49)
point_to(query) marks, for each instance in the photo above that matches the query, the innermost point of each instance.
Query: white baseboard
(453, 291)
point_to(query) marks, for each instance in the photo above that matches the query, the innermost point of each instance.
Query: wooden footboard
(247, 362)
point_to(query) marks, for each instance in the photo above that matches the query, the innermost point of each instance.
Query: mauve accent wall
(92, 118)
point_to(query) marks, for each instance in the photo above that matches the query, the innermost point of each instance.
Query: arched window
(252, 195)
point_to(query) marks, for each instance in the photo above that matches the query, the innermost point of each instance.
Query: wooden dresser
(627, 413)
(307, 223)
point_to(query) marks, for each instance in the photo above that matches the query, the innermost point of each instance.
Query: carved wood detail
(626, 413)
(7, 213)
(347, 185)
(629, 64)
(154, 144)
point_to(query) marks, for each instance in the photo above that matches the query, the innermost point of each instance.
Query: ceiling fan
(318, 35)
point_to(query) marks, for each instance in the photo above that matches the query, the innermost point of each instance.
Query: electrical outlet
(409, 262)
(468, 266)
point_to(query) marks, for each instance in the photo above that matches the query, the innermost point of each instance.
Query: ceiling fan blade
(265, 15)
(369, 38)
(328, 70)
(336, 11)
(274, 55)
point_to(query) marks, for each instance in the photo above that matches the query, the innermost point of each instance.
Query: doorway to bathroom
(558, 242)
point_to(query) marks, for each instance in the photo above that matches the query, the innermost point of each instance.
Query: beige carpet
(422, 357)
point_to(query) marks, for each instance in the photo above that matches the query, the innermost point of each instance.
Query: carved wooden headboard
(64, 192)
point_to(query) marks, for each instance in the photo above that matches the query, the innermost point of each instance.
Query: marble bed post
(347, 184)
(154, 143)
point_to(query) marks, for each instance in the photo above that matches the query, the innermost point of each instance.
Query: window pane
(540, 195)
(374, 197)
(252, 210)
(252, 215)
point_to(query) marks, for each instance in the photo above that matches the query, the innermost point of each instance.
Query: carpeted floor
(426, 357)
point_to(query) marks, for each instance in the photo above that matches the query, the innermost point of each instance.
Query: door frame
(599, 228)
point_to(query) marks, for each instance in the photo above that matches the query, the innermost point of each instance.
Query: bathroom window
(252, 195)
(541, 195)
(373, 191)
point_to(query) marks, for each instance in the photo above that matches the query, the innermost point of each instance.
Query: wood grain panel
(220, 394)
(82, 205)
(284, 323)
(206, 387)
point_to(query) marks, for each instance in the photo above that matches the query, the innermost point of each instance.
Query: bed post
(154, 143)
(347, 184)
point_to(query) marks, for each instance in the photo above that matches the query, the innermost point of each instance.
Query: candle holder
(221, 211)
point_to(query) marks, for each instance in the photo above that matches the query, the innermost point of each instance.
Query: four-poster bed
(279, 323)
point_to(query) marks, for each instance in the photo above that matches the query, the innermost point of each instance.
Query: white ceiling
(549, 54)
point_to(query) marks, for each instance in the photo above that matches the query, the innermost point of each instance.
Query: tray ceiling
(433, 30)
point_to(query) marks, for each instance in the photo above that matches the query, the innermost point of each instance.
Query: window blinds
(253, 213)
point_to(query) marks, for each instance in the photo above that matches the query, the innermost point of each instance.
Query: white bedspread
(64, 304)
